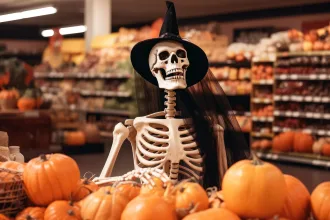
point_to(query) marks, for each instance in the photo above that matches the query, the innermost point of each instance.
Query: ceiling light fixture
(65, 30)
(28, 14)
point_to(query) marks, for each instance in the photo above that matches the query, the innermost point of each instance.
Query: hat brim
(197, 58)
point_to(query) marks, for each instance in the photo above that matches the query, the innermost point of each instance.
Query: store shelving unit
(262, 100)
(239, 100)
(305, 103)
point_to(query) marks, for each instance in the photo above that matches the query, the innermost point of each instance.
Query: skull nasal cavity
(174, 59)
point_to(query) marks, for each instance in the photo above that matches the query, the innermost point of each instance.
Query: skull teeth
(174, 77)
(175, 70)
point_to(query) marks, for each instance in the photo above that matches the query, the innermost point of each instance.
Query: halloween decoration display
(190, 134)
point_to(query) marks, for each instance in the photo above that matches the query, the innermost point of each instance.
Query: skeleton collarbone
(168, 144)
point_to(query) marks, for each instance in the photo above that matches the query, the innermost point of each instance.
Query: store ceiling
(71, 12)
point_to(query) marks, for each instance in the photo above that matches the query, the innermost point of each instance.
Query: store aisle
(310, 176)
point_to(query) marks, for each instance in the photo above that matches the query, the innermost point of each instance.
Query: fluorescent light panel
(28, 14)
(65, 30)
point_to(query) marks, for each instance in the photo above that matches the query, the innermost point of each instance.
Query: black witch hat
(170, 32)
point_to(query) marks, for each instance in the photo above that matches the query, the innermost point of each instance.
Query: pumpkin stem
(182, 189)
(71, 212)
(28, 217)
(91, 175)
(71, 202)
(43, 157)
(255, 160)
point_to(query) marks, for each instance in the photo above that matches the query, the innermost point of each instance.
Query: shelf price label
(288, 113)
(323, 76)
(294, 76)
(295, 114)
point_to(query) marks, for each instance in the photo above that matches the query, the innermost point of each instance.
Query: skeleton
(161, 143)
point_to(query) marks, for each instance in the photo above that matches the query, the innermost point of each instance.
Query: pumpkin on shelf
(92, 133)
(84, 187)
(8, 99)
(297, 202)
(3, 217)
(27, 101)
(57, 175)
(320, 201)
(105, 203)
(214, 213)
(239, 184)
(303, 143)
(31, 213)
(62, 209)
(190, 196)
(283, 142)
(74, 138)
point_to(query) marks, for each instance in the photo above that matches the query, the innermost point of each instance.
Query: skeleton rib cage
(167, 144)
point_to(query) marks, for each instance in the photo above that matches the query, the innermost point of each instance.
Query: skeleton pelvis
(163, 142)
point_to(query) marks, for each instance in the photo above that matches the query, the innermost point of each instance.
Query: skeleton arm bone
(221, 148)
(120, 133)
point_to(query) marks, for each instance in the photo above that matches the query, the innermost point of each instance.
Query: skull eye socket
(164, 55)
(181, 53)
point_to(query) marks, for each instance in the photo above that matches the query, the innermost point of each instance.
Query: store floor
(310, 176)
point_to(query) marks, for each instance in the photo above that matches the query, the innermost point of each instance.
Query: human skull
(168, 62)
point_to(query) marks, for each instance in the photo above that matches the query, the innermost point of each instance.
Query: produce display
(231, 73)
(236, 87)
(282, 197)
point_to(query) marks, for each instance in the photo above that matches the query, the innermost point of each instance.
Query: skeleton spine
(170, 104)
(174, 171)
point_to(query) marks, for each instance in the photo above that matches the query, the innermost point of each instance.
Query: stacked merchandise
(301, 99)
(262, 104)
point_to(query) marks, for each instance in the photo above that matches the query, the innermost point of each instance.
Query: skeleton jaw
(174, 79)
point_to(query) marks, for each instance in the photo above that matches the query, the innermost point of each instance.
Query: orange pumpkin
(26, 103)
(12, 165)
(188, 195)
(326, 149)
(303, 143)
(74, 138)
(62, 209)
(248, 185)
(3, 217)
(283, 142)
(9, 94)
(129, 189)
(157, 189)
(215, 213)
(31, 213)
(149, 207)
(92, 133)
(50, 177)
(84, 188)
(105, 203)
(297, 202)
(320, 201)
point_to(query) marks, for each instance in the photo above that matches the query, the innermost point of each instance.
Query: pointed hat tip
(169, 4)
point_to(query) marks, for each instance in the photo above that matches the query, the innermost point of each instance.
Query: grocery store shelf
(262, 100)
(67, 125)
(90, 92)
(261, 60)
(319, 132)
(294, 114)
(303, 53)
(302, 77)
(105, 93)
(240, 113)
(300, 158)
(106, 134)
(263, 82)
(298, 98)
(260, 134)
(27, 114)
(231, 63)
(98, 111)
(58, 75)
(262, 119)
